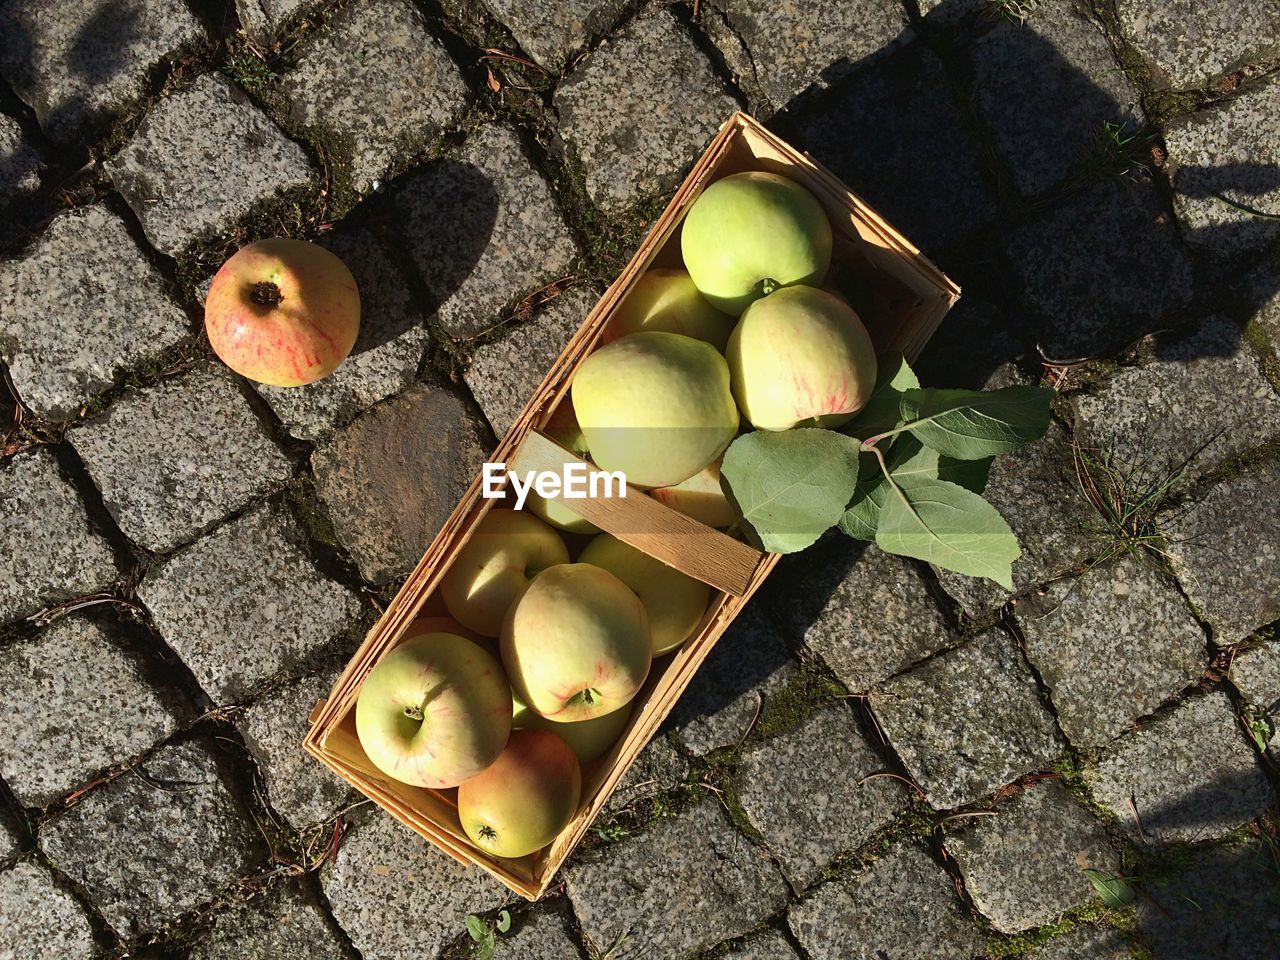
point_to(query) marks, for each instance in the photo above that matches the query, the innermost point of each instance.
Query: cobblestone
(1256, 674)
(40, 921)
(541, 936)
(1189, 43)
(771, 945)
(282, 923)
(262, 19)
(1085, 943)
(1259, 290)
(658, 769)
(552, 30)
(20, 164)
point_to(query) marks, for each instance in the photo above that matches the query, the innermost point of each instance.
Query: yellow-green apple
(576, 644)
(507, 549)
(666, 299)
(530, 794)
(674, 601)
(655, 406)
(435, 711)
(283, 312)
(588, 739)
(801, 356)
(749, 234)
(701, 497)
(563, 429)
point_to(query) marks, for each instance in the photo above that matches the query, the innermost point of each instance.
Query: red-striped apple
(588, 739)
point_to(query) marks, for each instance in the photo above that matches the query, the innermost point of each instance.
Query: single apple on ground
(283, 312)
(507, 549)
(751, 233)
(701, 497)
(530, 794)
(656, 406)
(801, 356)
(434, 712)
(576, 644)
(666, 299)
(588, 739)
(675, 602)
(563, 429)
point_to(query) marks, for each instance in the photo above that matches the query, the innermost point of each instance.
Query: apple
(519, 805)
(588, 739)
(665, 299)
(749, 234)
(506, 550)
(563, 429)
(576, 643)
(674, 601)
(801, 356)
(283, 312)
(701, 497)
(655, 406)
(434, 712)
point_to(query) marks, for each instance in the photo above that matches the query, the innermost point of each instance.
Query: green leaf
(910, 459)
(863, 512)
(791, 487)
(476, 928)
(973, 424)
(1116, 892)
(882, 411)
(504, 921)
(947, 525)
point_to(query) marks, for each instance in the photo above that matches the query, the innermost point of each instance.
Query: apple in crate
(576, 643)
(529, 794)
(435, 711)
(666, 299)
(751, 233)
(801, 356)
(563, 428)
(283, 312)
(701, 497)
(506, 551)
(655, 406)
(588, 739)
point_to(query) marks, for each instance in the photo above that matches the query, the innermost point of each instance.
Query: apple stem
(768, 285)
(265, 293)
(413, 713)
(587, 697)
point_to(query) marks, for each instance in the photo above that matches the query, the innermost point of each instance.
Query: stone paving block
(1259, 291)
(968, 721)
(392, 477)
(20, 164)
(378, 84)
(686, 884)
(155, 842)
(280, 923)
(38, 920)
(805, 791)
(48, 549)
(749, 664)
(1189, 42)
(1226, 552)
(1256, 674)
(659, 768)
(1103, 269)
(204, 157)
(1085, 943)
(397, 896)
(891, 129)
(505, 372)
(866, 613)
(539, 936)
(174, 458)
(771, 945)
(1046, 86)
(386, 355)
(1036, 490)
(79, 64)
(63, 339)
(75, 668)
(639, 110)
(262, 19)
(245, 603)
(10, 837)
(1229, 154)
(943, 12)
(301, 789)
(1203, 400)
(903, 905)
(1189, 775)
(1025, 866)
(785, 50)
(1071, 635)
(552, 30)
(484, 229)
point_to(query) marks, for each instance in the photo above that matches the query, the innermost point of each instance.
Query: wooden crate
(915, 295)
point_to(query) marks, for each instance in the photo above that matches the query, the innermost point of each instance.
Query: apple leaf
(974, 424)
(863, 512)
(504, 921)
(791, 487)
(910, 460)
(1116, 892)
(476, 928)
(883, 409)
(945, 524)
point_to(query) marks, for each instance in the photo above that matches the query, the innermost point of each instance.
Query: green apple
(675, 602)
(563, 429)
(506, 550)
(751, 233)
(701, 497)
(665, 299)
(801, 356)
(576, 644)
(588, 739)
(522, 802)
(655, 406)
(435, 711)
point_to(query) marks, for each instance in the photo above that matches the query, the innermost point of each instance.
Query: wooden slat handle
(693, 548)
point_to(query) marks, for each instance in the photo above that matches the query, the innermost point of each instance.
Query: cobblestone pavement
(878, 761)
